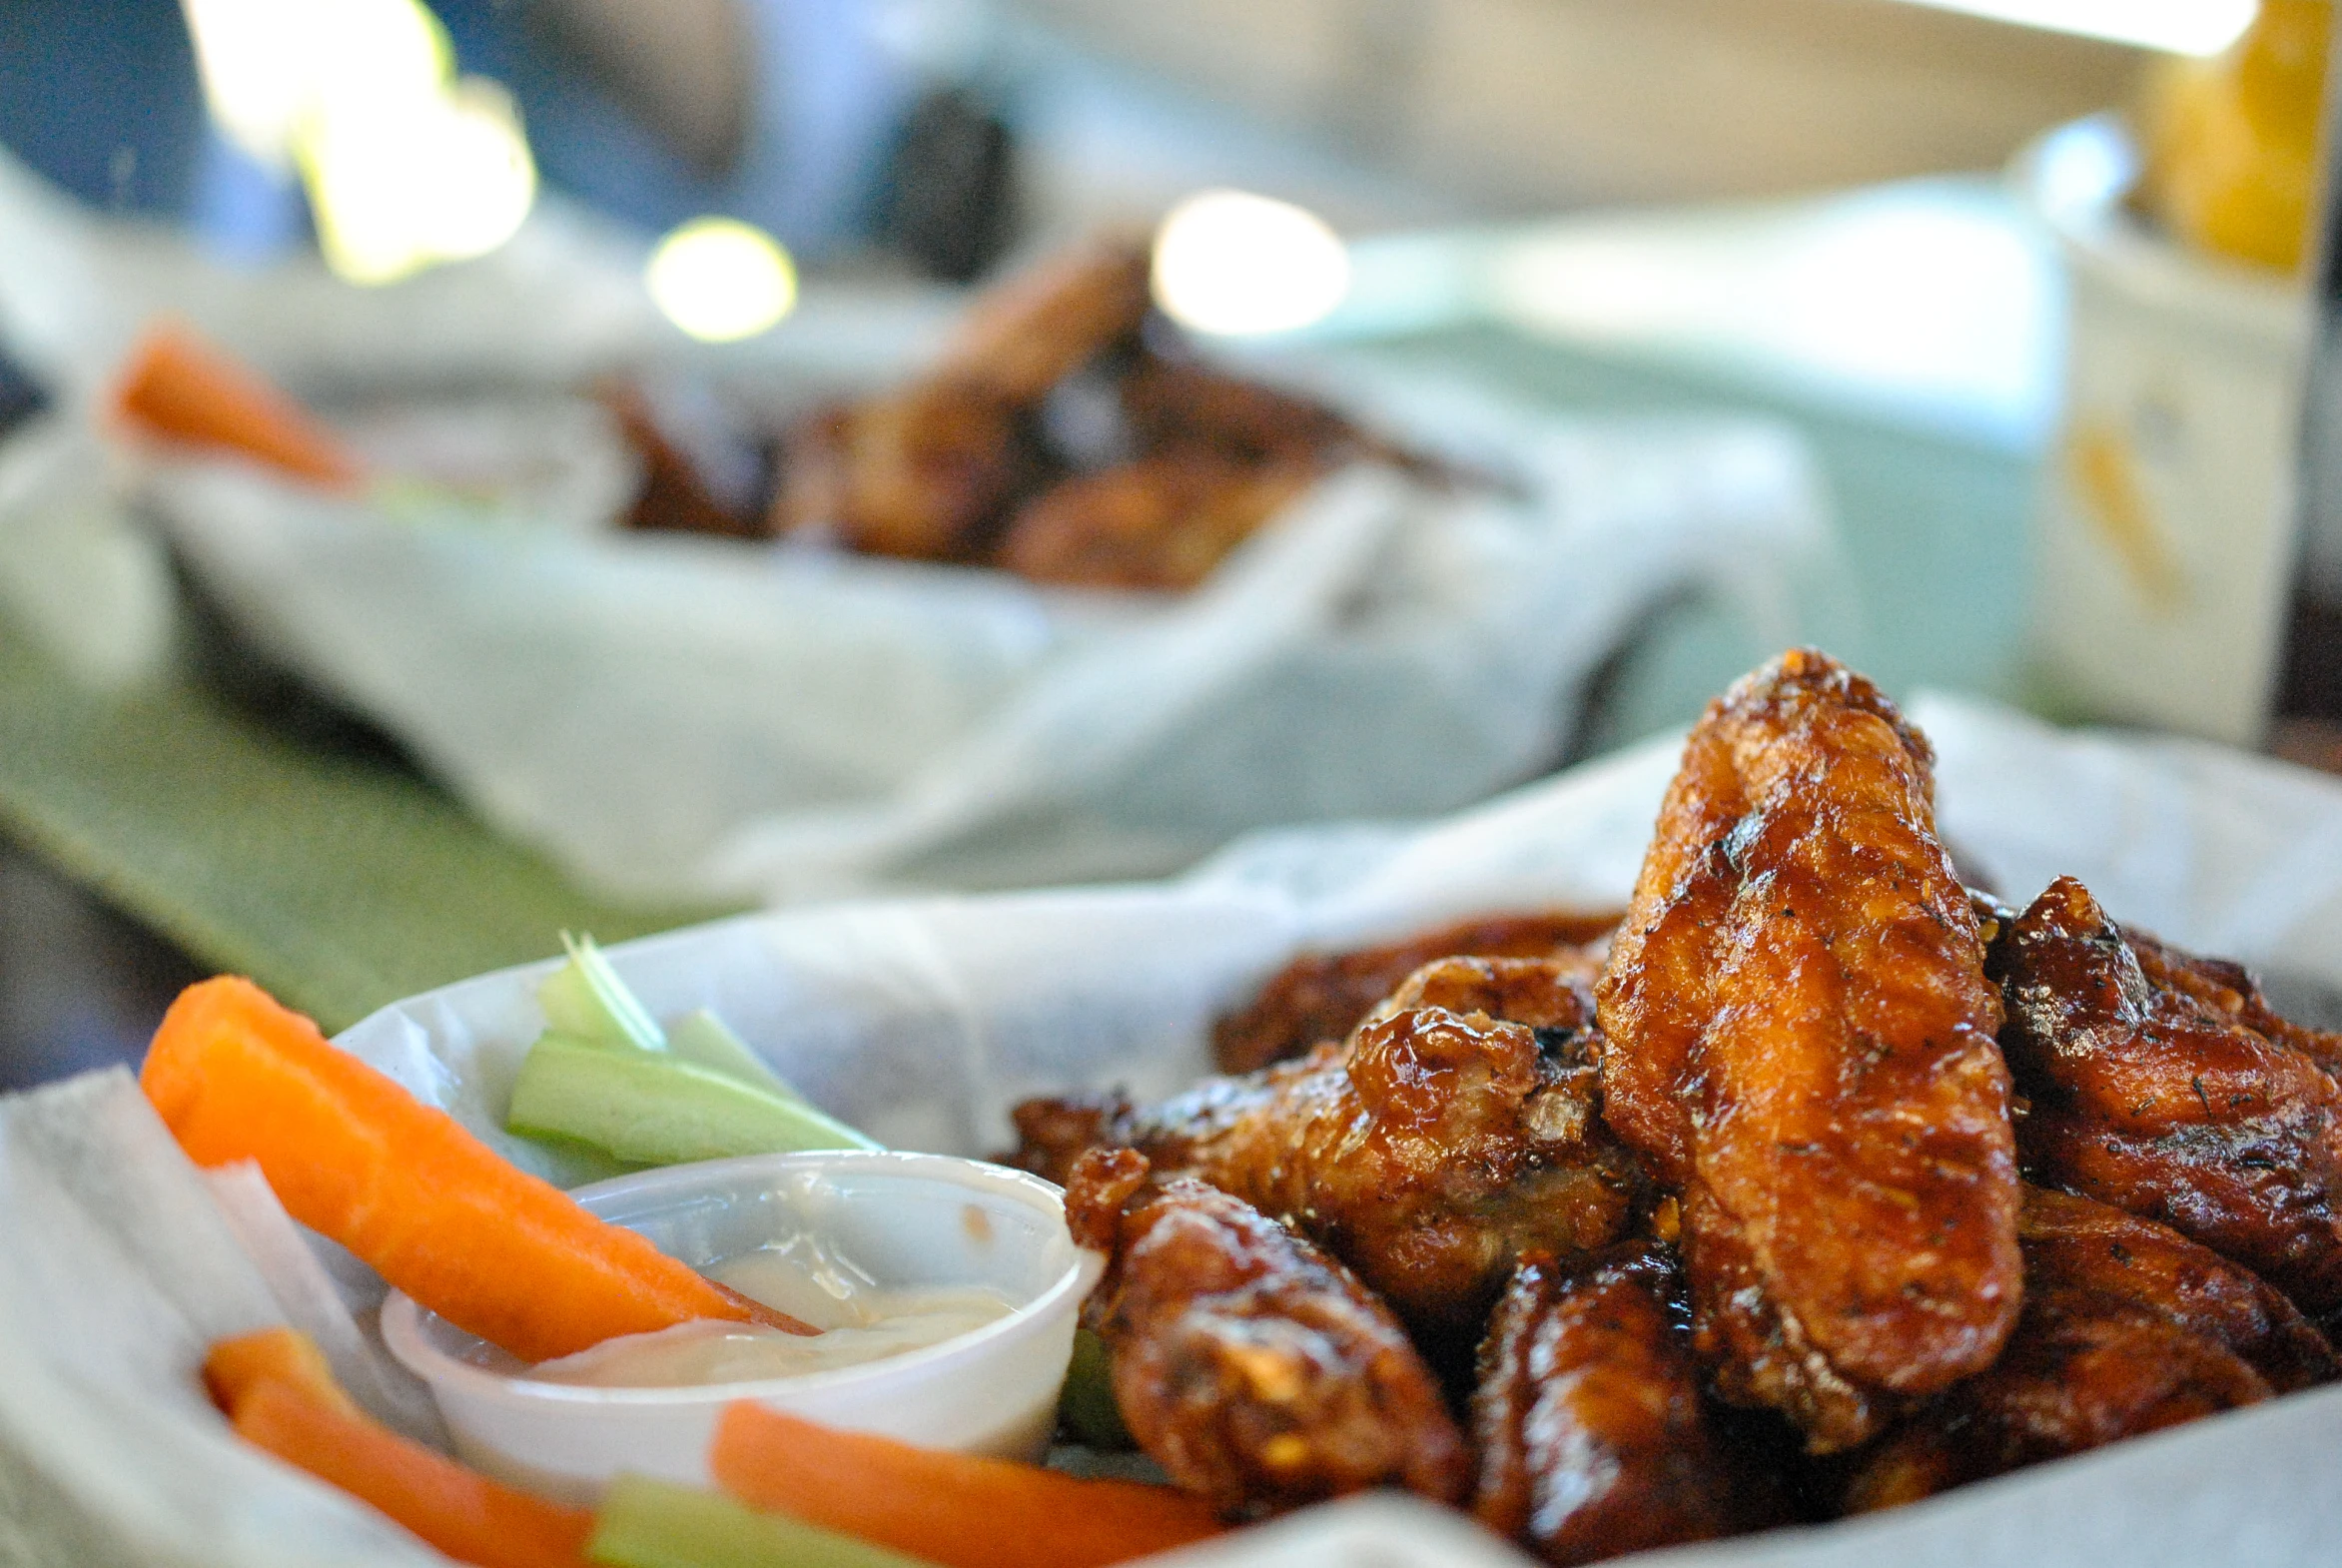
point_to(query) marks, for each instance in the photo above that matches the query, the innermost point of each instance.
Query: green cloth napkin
(338, 883)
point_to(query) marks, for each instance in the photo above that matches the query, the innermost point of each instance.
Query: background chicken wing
(1799, 1033)
(1159, 522)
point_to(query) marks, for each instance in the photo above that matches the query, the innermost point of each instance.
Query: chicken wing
(1427, 1153)
(2227, 988)
(1322, 997)
(1587, 1417)
(1161, 523)
(674, 498)
(2075, 1241)
(2158, 1085)
(1029, 333)
(1249, 1365)
(1178, 402)
(2127, 1327)
(926, 474)
(1799, 1034)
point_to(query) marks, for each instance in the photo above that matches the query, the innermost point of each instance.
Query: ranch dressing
(860, 1323)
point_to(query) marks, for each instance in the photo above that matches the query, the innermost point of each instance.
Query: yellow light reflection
(405, 164)
(440, 180)
(721, 280)
(1233, 264)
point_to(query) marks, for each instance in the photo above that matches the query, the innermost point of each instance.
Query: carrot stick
(233, 1367)
(180, 387)
(438, 1213)
(457, 1510)
(954, 1509)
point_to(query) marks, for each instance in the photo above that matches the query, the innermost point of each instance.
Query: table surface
(342, 880)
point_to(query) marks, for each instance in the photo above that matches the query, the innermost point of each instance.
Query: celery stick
(1086, 1405)
(703, 1039)
(585, 998)
(653, 1109)
(643, 1523)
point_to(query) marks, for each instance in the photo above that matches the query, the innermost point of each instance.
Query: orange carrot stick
(233, 1367)
(438, 1213)
(457, 1510)
(180, 387)
(954, 1509)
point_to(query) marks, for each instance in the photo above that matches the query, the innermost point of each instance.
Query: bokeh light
(405, 164)
(1233, 264)
(721, 280)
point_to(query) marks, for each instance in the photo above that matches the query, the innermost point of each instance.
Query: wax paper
(923, 1019)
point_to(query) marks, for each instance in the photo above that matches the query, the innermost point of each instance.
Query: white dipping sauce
(859, 1321)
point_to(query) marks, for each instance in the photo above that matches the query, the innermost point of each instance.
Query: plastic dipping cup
(909, 1220)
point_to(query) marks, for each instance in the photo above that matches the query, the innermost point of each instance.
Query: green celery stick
(643, 1523)
(585, 998)
(652, 1109)
(1086, 1405)
(704, 1040)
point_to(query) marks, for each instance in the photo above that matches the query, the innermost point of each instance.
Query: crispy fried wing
(1587, 1415)
(1248, 1364)
(1161, 523)
(1322, 997)
(2127, 1327)
(1427, 1153)
(2159, 1086)
(1799, 1033)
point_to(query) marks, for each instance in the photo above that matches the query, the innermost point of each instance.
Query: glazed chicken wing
(2074, 1242)
(929, 472)
(1177, 403)
(1798, 1035)
(1028, 334)
(925, 474)
(1588, 1420)
(1553, 992)
(1249, 1365)
(2161, 1084)
(1161, 523)
(2225, 987)
(674, 498)
(1322, 997)
(2127, 1327)
(1427, 1153)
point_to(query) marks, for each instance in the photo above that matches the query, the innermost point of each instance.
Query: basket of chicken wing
(1422, 1204)
(1026, 588)
(1820, 1184)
